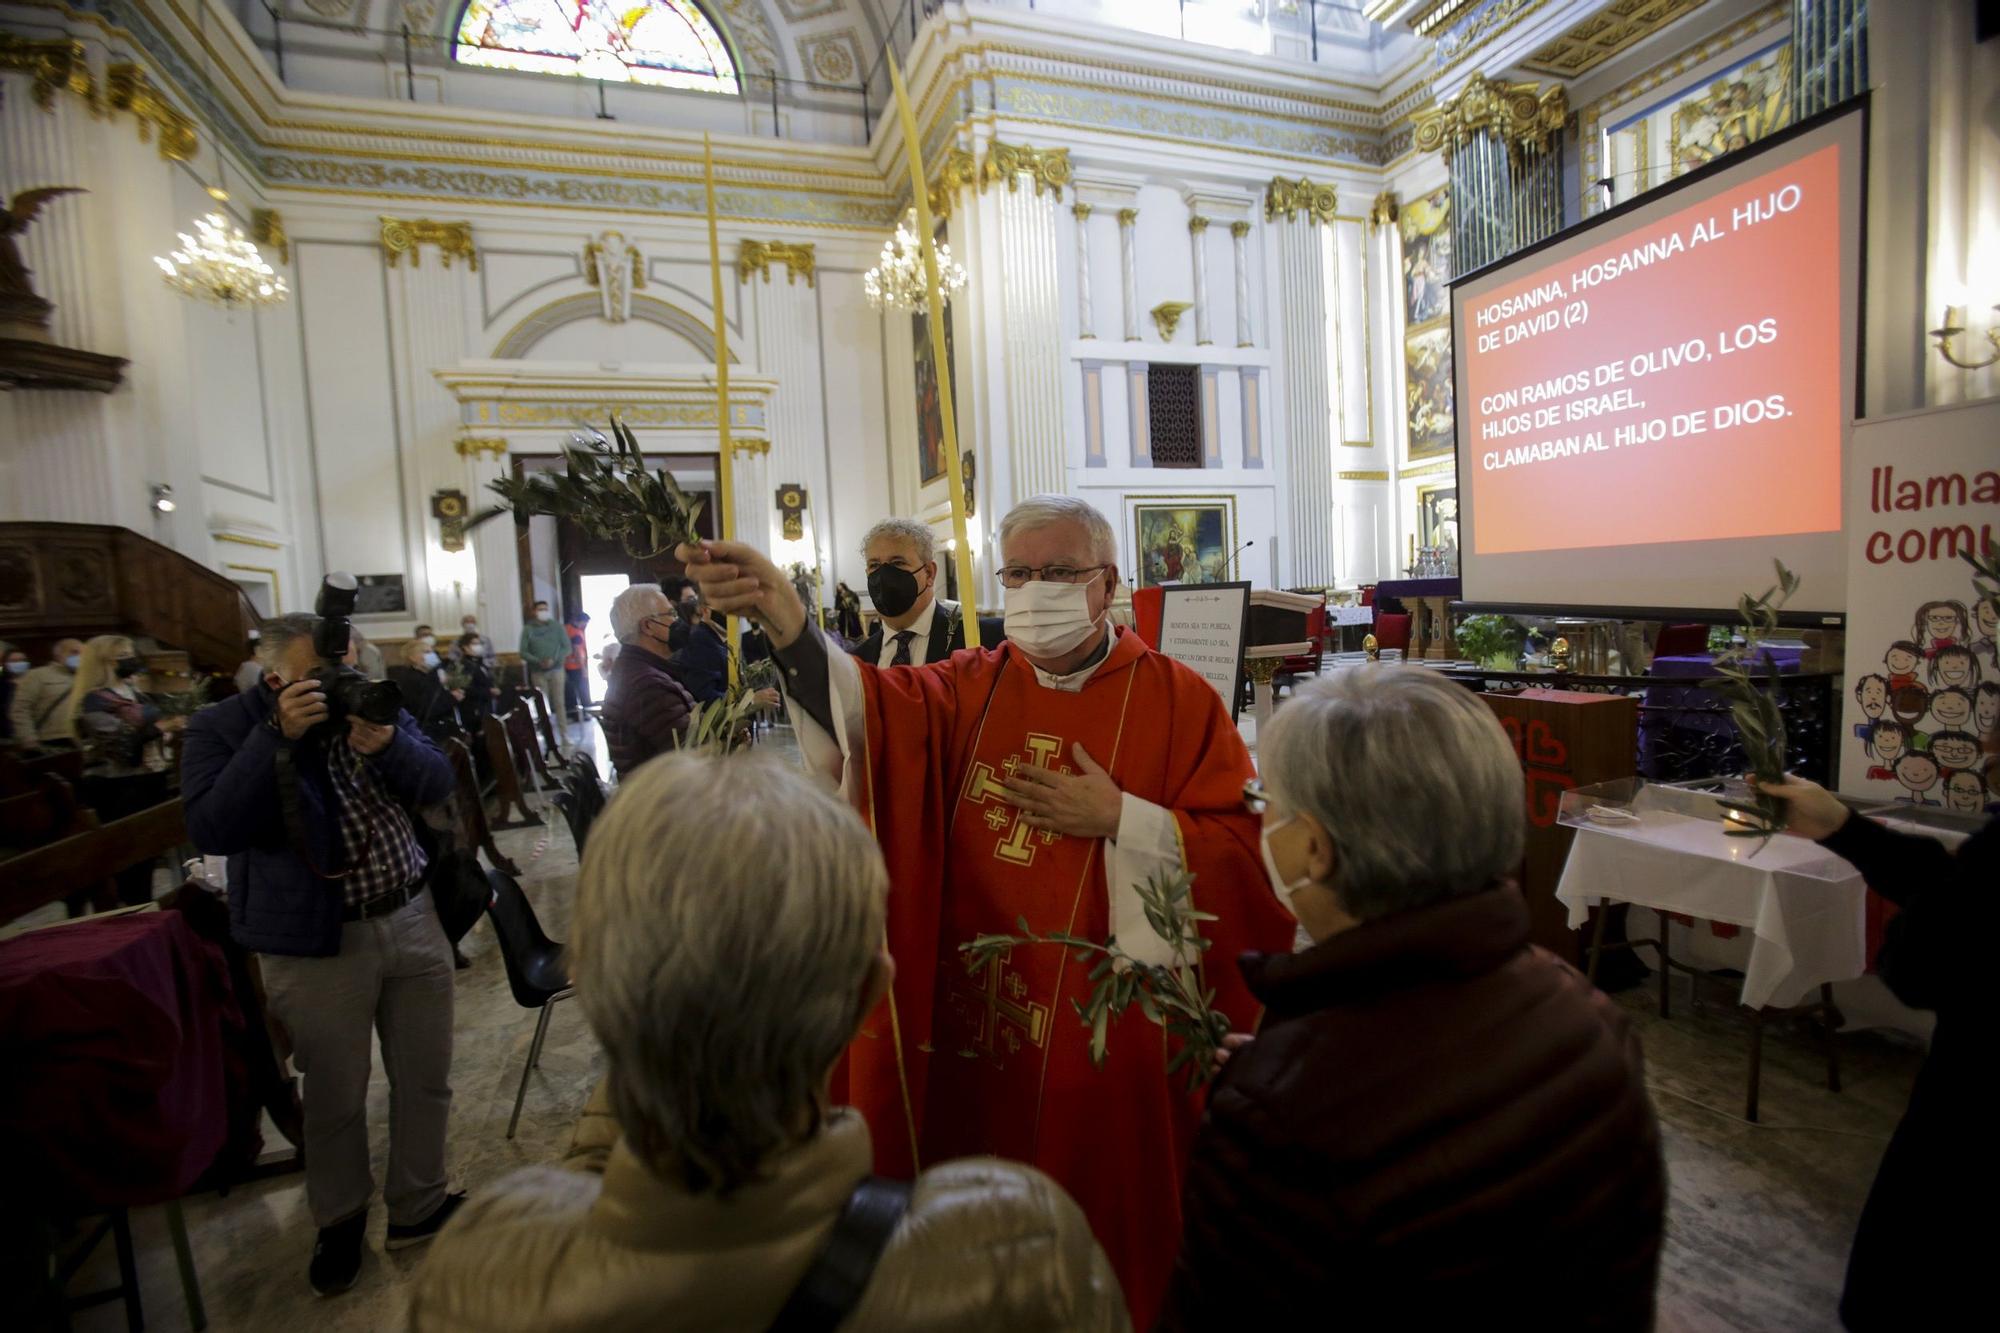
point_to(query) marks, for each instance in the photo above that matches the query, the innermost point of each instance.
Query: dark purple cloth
(1689, 707)
(1389, 596)
(112, 1034)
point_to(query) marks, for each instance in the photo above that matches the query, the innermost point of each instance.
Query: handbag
(832, 1287)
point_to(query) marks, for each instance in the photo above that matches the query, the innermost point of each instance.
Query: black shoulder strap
(832, 1287)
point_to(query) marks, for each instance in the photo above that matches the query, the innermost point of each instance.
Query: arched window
(665, 43)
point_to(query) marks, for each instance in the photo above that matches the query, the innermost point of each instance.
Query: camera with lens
(348, 692)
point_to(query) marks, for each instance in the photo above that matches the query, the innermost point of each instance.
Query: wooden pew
(551, 750)
(474, 831)
(520, 724)
(506, 780)
(52, 872)
(42, 816)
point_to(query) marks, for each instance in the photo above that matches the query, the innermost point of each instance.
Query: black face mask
(894, 590)
(129, 666)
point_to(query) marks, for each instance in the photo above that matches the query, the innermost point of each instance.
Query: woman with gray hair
(724, 989)
(1434, 1108)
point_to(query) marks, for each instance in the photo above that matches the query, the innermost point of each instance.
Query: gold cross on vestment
(994, 1006)
(985, 787)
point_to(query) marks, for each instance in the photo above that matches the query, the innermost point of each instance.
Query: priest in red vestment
(1045, 778)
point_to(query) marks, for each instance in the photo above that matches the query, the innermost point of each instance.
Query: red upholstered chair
(1367, 594)
(1392, 631)
(1308, 662)
(1681, 641)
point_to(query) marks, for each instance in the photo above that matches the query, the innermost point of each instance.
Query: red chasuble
(998, 1062)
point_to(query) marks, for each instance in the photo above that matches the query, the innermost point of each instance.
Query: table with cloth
(1690, 708)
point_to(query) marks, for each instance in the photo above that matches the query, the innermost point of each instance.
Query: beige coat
(38, 697)
(986, 1245)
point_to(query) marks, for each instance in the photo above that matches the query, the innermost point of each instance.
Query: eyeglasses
(900, 562)
(1255, 799)
(1019, 576)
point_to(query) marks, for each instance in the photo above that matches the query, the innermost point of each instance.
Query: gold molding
(1361, 476)
(1239, 229)
(960, 169)
(56, 66)
(1448, 462)
(1197, 224)
(1617, 26)
(1283, 198)
(758, 256)
(1127, 216)
(401, 236)
(1522, 113)
(126, 88)
(267, 227)
(1006, 162)
(470, 446)
(247, 541)
(1081, 211)
(740, 445)
(1386, 210)
(1167, 317)
(277, 594)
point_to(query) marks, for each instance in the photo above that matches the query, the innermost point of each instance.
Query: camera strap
(292, 812)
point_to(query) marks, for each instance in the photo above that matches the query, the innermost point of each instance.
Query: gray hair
(903, 530)
(1412, 778)
(641, 601)
(279, 633)
(724, 986)
(1039, 511)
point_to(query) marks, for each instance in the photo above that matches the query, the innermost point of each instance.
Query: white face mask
(544, 616)
(430, 659)
(1050, 619)
(1279, 885)
(16, 668)
(73, 661)
(475, 650)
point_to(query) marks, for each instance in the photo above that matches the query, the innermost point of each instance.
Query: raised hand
(736, 579)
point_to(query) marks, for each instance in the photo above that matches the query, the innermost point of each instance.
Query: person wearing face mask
(36, 713)
(1432, 1105)
(116, 725)
(472, 656)
(544, 647)
(646, 709)
(1048, 778)
(913, 624)
(424, 696)
(16, 667)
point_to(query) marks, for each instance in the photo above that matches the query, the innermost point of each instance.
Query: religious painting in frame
(1437, 515)
(1736, 109)
(1427, 386)
(930, 413)
(1426, 227)
(1182, 539)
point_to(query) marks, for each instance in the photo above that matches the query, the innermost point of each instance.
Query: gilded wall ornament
(58, 66)
(1283, 199)
(758, 256)
(128, 89)
(267, 228)
(1167, 317)
(616, 270)
(960, 169)
(472, 446)
(1127, 216)
(1386, 210)
(1524, 114)
(404, 236)
(1618, 25)
(832, 57)
(1197, 224)
(1006, 162)
(1239, 229)
(1081, 211)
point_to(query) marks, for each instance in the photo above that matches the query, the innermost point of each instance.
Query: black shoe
(401, 1238)
(336, 1261)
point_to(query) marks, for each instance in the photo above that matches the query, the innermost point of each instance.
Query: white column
(1031, 333)
(427, 310)
(751, 489)
(788, 332)
(1308, 433)
(1239, 244)
(1085, 325)
(1198, 242)
(1128, 253)
(494, 549)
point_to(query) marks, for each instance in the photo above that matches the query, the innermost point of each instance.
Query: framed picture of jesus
(1182, 539)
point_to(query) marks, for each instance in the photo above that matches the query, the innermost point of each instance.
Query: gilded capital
(754, 257)
(1008, 162)
(1081, 210)
(268, 228)
(128, 89)
(1197, 224)
(405, 236)
(1386, 210)
(471, 446)
(1127, 216)
(1239, 229)
(1283, 199)
(1522, 113)
(57, 66)
(960, 169)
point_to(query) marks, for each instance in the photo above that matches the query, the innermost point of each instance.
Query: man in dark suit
(914, 625)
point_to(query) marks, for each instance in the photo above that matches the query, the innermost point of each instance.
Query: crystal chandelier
(219, 264)
(897, 282)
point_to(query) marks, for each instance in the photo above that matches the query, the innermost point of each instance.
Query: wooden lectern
(1277, 630)
(1565, 739)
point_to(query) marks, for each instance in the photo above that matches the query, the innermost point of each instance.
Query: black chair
(537, 971)
(581, 799)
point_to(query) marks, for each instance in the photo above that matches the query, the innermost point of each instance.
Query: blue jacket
(702, 666)
(229, 787)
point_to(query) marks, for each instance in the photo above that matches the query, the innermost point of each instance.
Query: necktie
(902, 656)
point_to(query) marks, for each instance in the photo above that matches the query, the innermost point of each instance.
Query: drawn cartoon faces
(1955, 749)
(1908, 703)
(1986, 615)
(1964, 792)
(1986, 709)
(1954, 667)
(1872, 693)
(1918, 773)
(1952, 709)
(1888, 740)
(1939, 624)
(1901, 661)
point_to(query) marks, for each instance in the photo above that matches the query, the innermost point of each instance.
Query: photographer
(307, 797)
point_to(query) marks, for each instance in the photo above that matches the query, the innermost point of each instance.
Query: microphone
(1232, 561)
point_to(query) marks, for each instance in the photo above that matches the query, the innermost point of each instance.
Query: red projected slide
(1681, 382)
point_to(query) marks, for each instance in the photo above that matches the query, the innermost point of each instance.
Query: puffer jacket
(645, 709)
(1434, 1117)
(985, 1245)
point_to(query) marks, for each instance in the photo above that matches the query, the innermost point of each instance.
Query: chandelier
(897, 281)
(219, 264)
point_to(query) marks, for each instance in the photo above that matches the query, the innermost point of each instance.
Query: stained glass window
(665, 43)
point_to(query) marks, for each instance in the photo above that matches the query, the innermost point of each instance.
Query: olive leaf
(1169, 995)
(1755, 711)
(606, 488)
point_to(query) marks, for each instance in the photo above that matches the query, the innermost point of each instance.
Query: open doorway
(598, 592)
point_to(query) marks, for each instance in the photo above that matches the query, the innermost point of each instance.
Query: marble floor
(1758, 1222)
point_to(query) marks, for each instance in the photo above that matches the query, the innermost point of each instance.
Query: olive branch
(607, 489)
(1168, 994)
(1755, 711)
(1986, 572)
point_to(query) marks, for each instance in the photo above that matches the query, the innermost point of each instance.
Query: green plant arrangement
(722, 726)
(1755, 713)
(1494, 640)
(1170, 995)
(182, 703)
(607, 489)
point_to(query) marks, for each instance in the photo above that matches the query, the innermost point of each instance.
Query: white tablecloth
(1350, 615)
(1805, 930)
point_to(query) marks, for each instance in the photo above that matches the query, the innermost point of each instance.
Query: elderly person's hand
(1231, 1044)
(736, 579)
(1814, 812)
(768, 698)
(365, 737)
(1086, 804)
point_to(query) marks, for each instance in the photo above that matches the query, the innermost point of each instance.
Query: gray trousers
(551, 684)
(392, 975)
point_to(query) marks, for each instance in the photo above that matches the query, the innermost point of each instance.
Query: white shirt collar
(1074, 682)
(920, 628)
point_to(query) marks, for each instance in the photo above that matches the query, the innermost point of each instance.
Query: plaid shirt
(381, 846)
